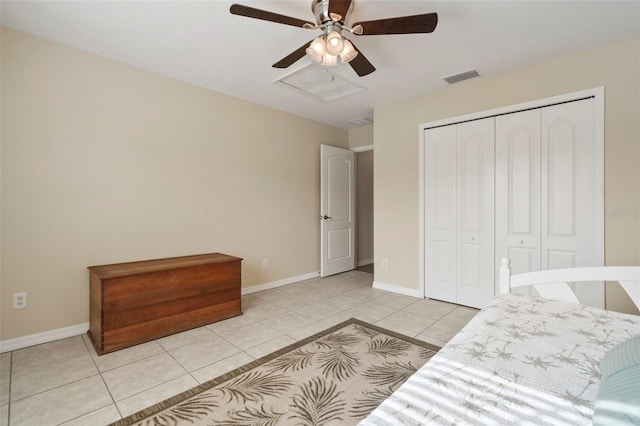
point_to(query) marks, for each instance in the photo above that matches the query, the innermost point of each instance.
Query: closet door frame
(596, 93)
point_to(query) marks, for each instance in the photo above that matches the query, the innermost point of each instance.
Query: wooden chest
(136, 302)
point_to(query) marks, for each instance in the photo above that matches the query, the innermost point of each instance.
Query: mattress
(521, 360)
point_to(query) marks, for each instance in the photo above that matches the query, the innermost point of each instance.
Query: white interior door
(517, 190)
(337, 210)
(547, 193)
(459, 228)
(475, 223)
(440, 213)
(570, 194)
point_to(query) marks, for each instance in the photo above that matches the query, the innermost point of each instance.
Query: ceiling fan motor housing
(320, 9)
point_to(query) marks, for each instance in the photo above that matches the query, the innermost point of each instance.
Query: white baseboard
(75, 330)
(279, 283)
(44, 337)
(365, 262)
(397, 289)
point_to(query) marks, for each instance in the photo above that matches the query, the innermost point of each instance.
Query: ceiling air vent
(361, 121)
(319, 83)
(462, 76)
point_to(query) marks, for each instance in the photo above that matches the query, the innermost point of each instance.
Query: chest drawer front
(142, 290)
(131, 309)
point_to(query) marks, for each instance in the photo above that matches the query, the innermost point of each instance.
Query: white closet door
(475, 220)
(440, 213)
(518, 190)
(570, 193)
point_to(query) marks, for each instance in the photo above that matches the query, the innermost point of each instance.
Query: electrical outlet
(265, 263)
(19, 300)
(385, 264)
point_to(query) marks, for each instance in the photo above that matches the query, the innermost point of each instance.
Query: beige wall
(361, 136)
(615, 67)
(105, 163)
(365, 206)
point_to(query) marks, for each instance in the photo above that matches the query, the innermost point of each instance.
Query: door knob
(521, 242)
(325, 217)
(472, 239)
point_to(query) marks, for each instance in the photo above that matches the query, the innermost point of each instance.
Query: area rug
(335, 377)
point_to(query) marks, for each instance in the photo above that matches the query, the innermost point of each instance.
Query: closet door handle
(472, 239)
(521, 242)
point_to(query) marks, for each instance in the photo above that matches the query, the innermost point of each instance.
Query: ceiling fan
(331, 47)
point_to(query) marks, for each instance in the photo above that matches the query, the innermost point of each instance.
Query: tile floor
(66, 383)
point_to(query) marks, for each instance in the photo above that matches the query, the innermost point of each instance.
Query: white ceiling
(202, 43)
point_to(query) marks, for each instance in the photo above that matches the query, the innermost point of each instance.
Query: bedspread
(521, 360)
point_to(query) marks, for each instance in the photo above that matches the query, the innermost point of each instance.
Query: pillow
(618, 400)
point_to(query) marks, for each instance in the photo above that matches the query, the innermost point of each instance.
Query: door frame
(596, 93)
(357, 150)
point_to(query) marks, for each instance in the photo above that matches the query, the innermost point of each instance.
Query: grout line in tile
(152, 387)
(238, 348)
(92, 411)
(332, 290)
(433, 323)
(54, 388)
(129, 362)
(101, 376)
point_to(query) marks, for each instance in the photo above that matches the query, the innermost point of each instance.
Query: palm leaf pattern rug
(335, 377)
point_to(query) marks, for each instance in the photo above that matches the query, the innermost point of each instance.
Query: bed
(521, 360)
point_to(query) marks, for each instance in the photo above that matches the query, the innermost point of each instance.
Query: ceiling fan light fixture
(335, 43)
(316, 49)
(348, 53)
(329, 60)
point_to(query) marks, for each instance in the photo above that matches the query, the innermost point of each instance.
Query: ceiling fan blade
(360, 64)
(339, 7)
(292, 57)
(402, 25)
(250, 12)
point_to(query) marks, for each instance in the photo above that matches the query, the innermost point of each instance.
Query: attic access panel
(319, 83)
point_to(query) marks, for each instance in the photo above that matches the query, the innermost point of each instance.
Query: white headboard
(553, 283)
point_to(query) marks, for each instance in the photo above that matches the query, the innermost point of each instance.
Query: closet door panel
(475, 220)
(518, 190)
(559, 259)
(440, 213)
(523, 259)
(569, 193)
